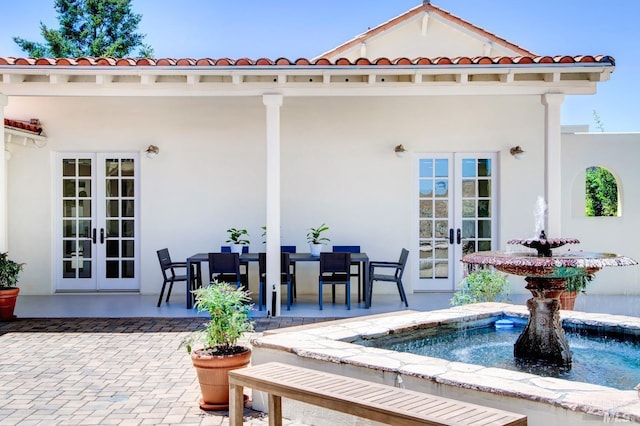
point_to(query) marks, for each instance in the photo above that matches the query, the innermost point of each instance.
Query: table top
(294, 257)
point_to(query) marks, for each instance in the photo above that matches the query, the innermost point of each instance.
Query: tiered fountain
(546, 274)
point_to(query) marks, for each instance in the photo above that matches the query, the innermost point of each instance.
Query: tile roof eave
(136, 65)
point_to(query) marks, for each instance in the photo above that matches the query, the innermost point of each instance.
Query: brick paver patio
(106, 371)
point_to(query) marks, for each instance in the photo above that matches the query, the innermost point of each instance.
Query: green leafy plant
(314, 235)
(482, 285)
(578, 283)
(235, 236)
(9, 271)
(90, 28)
(229, 307)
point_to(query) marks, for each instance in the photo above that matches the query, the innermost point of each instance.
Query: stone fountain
(546, 274)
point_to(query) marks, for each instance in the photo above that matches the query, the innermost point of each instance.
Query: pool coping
(331, 342)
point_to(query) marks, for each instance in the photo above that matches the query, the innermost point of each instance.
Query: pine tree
(92, 28)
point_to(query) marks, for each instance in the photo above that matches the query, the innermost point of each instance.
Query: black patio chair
(335, 268)
(292, 267)
(226, 267)
(392, 273)
(243, 264)
(169, 273)
(285, 278)
(357, 273)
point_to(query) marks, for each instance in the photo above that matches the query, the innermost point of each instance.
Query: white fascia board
(17, 82)
(320, 89)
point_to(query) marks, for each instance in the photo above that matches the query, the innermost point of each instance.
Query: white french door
(456, 215)
(96, 222)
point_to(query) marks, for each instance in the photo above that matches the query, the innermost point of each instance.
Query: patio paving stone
(125, 371)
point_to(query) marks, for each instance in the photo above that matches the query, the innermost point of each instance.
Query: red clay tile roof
(30, 126)
(265, 62)
(437, 11)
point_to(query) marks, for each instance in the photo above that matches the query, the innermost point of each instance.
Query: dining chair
(335, 268)
(285, 278)
(169, 273)
(292, 263)
(226, 267)
(352, 249)
(392, 273)
(245, 250)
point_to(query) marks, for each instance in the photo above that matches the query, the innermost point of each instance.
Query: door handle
(93, 237)
(450, 235)
(458, 236)
(101, 235)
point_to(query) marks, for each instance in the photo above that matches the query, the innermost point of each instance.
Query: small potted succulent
(315, 240)
(237, 240)
(482, 285)
(9, 271)
(214, 349)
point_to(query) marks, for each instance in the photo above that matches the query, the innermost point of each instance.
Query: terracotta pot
(213, 377)
(8, 303)
(568, 300)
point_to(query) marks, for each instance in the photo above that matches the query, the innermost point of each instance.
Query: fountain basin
(546, 274)
(563, 265)
(327, 346)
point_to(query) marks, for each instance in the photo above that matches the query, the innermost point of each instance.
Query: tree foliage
(601, 192)
(94, 28)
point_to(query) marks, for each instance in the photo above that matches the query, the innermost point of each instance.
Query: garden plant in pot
(9, 271)
(214, 349)
(482, 285)
(573, 286)
(315, 240)
(237, 240)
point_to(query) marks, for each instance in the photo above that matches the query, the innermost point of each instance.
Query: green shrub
(482, 285)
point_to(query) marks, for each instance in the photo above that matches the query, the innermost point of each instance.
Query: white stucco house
(294, 143)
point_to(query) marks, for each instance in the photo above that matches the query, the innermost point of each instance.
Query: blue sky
(293, 29)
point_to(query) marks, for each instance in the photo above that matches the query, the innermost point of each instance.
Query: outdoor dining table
(194, 268)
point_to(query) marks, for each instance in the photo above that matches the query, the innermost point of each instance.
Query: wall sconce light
(517, 152)
(152, 151)
(400, 151)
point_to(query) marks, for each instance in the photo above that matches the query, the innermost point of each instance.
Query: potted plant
(315, 239)
(236, 239)
(218, 351)
(573, 286)
(482, 285)
(9, 271)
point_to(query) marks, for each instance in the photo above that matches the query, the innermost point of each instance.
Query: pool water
(598, 360)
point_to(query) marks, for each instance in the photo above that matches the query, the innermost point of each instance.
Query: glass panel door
(435, 221)
(98, 225)
(117, 223)
(76, 262)
(456, 215)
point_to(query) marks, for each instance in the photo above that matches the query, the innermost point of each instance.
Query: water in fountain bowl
(598, 360)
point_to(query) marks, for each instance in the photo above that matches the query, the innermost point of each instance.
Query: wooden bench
(374, 401)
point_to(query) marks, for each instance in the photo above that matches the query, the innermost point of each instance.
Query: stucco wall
(619, 154)
(338, 168)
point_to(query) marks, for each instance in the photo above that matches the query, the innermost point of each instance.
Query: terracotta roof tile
(227, 62)
(30, 126)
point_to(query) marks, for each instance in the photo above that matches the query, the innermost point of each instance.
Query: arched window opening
(601, 189)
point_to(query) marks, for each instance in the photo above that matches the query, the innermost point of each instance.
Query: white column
(273, 103)
(552, 187)
(4, 223)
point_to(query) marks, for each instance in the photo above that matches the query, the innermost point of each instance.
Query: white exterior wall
(409, 39)
(619, 154)
(337, 167)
